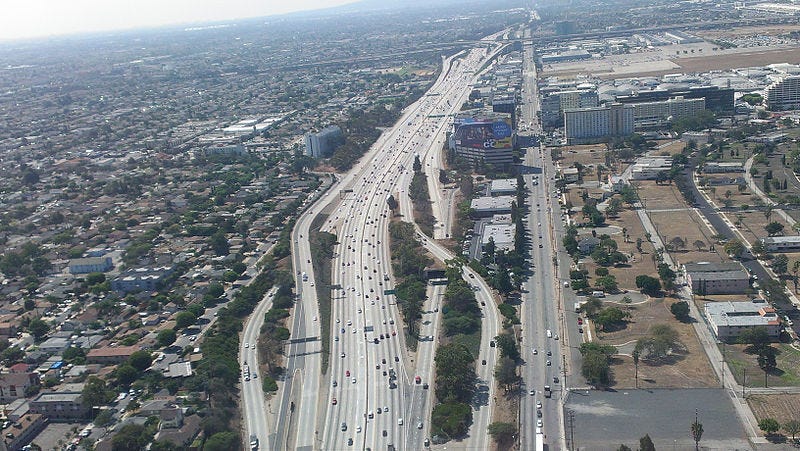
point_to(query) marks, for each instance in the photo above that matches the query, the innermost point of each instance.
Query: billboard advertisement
(496, 134)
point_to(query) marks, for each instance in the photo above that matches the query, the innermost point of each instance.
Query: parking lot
(605, 419)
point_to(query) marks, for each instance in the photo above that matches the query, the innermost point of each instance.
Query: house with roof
(62, 405)
(110, 355)
(23, 431)
(14, 384)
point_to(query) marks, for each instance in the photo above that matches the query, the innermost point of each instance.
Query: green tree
(502, 432)
(648, 285)
(184, 319)
(141, 360)
(38, 328)
(681, 310)
(507, 345)
(792, 427)
(610, 318)
(505, 373)
(595, 367)
(166, 337)
(131, 437)
(769, 426)
(774, 228)
(126, 374)
(623, 448)
(646, 443)
(452, 418)
(697, 433)
(95, 393)
(734, 248)
(780, 264)
(607, 283)
(222, 441)
(218, 242)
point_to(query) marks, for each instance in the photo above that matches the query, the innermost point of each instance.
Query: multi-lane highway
(368, 349)
(540, 416)
(360, 403)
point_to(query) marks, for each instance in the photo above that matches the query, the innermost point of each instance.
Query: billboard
(485, 134)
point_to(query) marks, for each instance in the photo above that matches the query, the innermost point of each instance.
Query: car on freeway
(538, 404)
(539, 422)
(334, 401)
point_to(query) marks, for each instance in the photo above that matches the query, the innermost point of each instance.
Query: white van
(549, 333)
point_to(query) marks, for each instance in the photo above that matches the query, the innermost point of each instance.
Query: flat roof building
(488, 206)
(781, 243)
(729, 319)
(501, 187)
(784, 94)
(598, 123)
(717, 278)
(501, 234)
(648, 168)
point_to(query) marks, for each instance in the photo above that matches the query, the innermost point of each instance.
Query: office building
(598, 123)
(718, 100)
(323, 143)
(656, 115)
(784, 94)
(484, 137)
(729, 319)
(554, 104)
(140, 279)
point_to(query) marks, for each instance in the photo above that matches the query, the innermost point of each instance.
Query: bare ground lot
(672, 218)
(687, 368)
(782, 407)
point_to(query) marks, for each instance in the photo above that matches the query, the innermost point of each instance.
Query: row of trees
(455, 361)
(408, 262)
(420, 197)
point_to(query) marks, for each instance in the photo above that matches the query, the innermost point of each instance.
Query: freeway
(367, 348)
(359, 218)
(254, 407)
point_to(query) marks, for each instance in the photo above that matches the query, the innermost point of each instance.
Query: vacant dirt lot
(673, 218)
(782, 407)
(687, 368)
(585, 155)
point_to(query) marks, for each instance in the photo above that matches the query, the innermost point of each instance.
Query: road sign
(388, 292)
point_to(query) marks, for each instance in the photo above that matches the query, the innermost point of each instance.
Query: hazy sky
(32, 18)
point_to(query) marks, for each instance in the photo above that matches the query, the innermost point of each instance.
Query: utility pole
(564, 371)
(571, 420)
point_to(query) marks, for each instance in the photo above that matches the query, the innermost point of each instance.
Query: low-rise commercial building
(781, 243)
(729, 319)
(90, 264)
(648, 168)
(716, 278)
(722, 167)
(501, 234)
(503, 187)
(489, 206)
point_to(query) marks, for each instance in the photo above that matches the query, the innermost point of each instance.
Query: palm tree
(697, 432)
